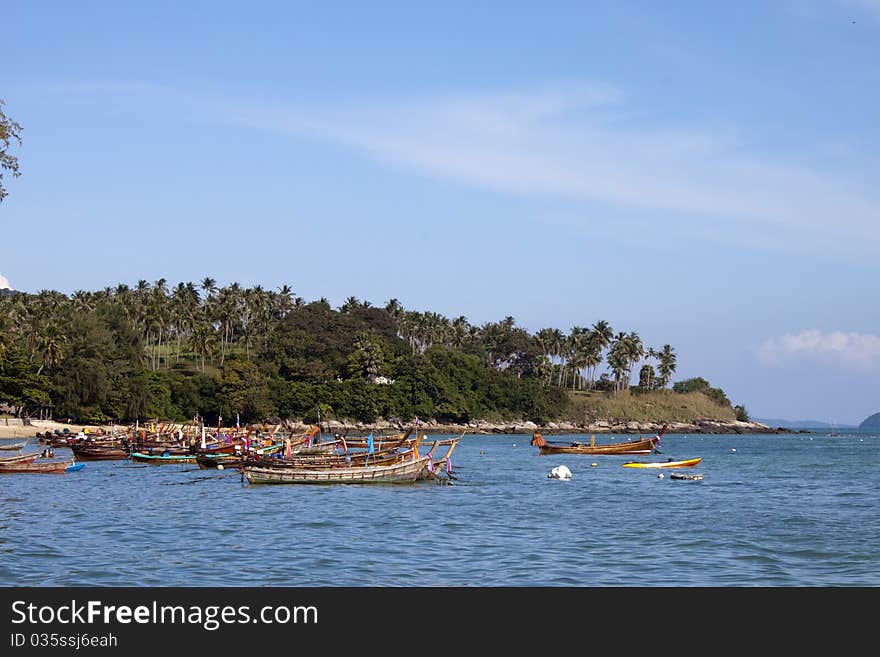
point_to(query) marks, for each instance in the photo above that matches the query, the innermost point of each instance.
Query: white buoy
(559, 472)
(733, 449)
(219, 466)
(660, 476)
(593, 465)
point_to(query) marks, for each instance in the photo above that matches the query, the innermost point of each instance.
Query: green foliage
(741, 413)
(699, 384)
(10, 132)
(245, 390)
(646, 406)
(173, 352)
(20, 385)
(647, 376)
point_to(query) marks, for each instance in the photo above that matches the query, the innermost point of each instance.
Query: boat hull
(99, 453)
(160, 460)
(688, 463)
(206, 462)
(406, 472)
(55, 467)
(13, 446)
(632, 447)
(22, 458)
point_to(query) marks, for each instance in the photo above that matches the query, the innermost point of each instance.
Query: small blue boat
(76, 467)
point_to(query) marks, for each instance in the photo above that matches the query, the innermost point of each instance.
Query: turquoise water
(780, 510)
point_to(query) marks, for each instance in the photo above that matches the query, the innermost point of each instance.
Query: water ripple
(750, 522)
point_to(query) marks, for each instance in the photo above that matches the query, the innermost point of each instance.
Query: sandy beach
(13, 428)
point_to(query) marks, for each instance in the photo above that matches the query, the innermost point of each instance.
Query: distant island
(872, 422)
(803, 424)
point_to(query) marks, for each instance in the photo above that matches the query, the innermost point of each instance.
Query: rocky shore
(13, 428)
(707, 426)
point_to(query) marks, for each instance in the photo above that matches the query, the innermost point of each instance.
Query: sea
(778, 510)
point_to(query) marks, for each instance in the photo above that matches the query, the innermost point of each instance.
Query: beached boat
(37, 467)
(13, 446)
(159, 459)
(643, 446)
(687, 463)
(404, 472)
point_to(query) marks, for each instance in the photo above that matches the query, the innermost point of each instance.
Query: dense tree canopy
(173, 352)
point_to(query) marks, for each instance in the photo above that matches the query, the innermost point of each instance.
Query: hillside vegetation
(185, 352)
(650, 406)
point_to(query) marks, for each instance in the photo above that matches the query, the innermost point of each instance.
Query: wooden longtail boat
(161, 459)
(21, 458)
(404, 472)
(316, 449)
(231, 448)
(49, 467)
(99, 452)
(173, 450)
(207, 461)
(57, 441)
(688, 463)
(386, 456)
(13, 446)
(385, 441)
(645, 446)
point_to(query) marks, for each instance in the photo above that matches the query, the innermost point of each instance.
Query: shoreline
(702, 426)
(14, 428)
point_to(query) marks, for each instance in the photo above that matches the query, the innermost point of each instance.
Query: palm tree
(286, 301)
(349, 304)
(51, 348)
(604, 334)
(209, 286)
(460, 332)
(619, 359)
(593, 356)
(666, 366)
(394, 308)
(579, 340)
(634, 350)
(546, 339)
(203, 341)
(82, 302)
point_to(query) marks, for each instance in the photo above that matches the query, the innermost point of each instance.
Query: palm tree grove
(174, 352)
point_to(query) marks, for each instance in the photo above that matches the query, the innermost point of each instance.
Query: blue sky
(706, 175)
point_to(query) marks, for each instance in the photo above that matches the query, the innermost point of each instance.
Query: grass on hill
(654, 406)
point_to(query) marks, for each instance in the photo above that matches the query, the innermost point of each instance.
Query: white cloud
(4, 283)
(566, 143)
(572, 141)
(848, 350)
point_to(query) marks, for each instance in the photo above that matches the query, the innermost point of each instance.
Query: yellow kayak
(663, 464)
